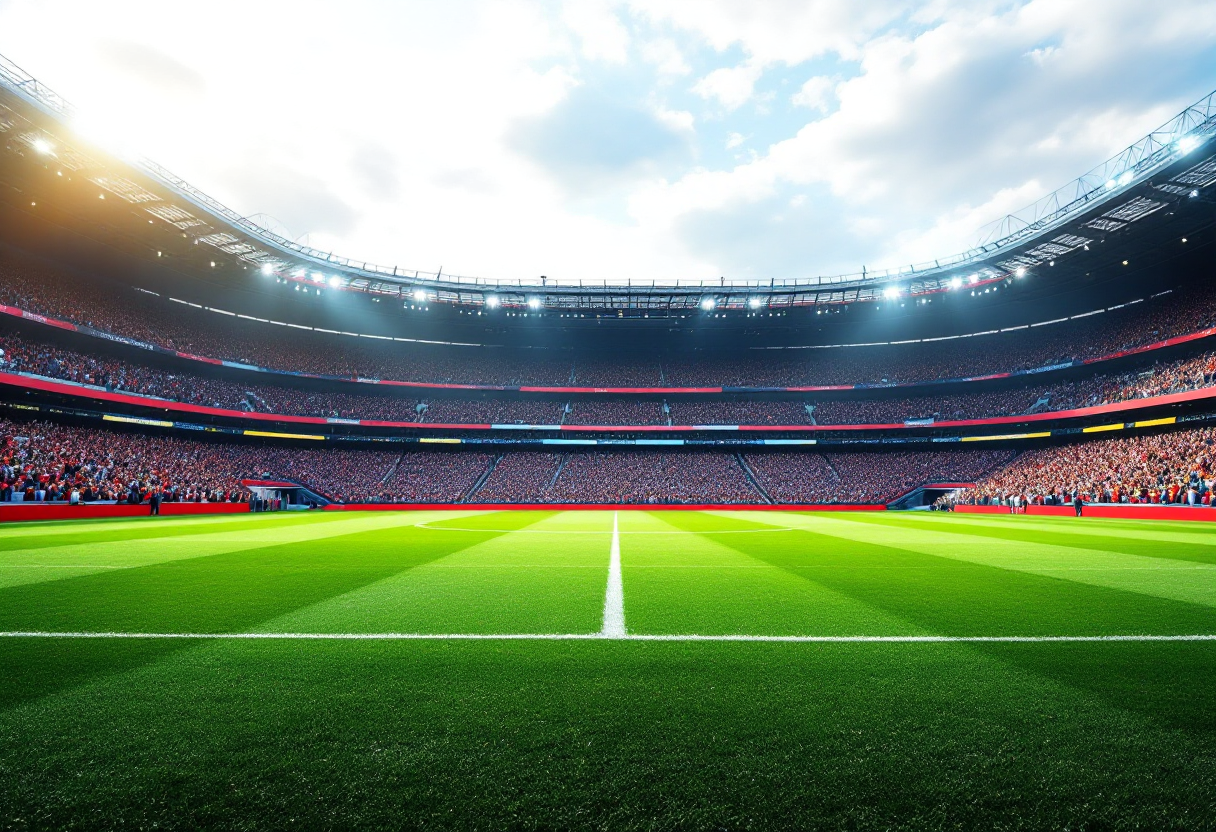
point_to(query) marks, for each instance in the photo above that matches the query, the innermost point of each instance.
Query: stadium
(292, 539)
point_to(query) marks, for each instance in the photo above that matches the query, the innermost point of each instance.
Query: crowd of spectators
(865, 478)
(523, 477)
(1179, 313)
(609, 372)
(436, 477)
(616, 413)
(1176, 467)
(743, 413)
(156, 320)
(22, 354)
(46, 462)
(886, 411)
(491, 412)
(652, 478)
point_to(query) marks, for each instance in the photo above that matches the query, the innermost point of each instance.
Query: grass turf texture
(120, 733)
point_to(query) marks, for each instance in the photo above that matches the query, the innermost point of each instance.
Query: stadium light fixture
(708, 304)
(335, 281)
(419, 295)
(975, 278)
(956, 282)
(318, 276)
(1126, 178)
(890, 292)
(1020, 271)
(492, 301)
(756, 302)
(43, 146)
(267, 268)
(1188, 143)
(534, 303)
(1111, 184)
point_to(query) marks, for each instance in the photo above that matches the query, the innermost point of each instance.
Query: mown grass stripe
(1179, 581)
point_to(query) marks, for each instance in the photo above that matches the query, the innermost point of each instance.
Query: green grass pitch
(969, 713)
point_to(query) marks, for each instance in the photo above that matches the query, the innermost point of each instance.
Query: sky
(667, 140)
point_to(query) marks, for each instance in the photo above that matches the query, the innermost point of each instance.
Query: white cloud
(666, 57)
(918, 126)
(943, 130)
(599, 29)
(815, 94)
(731, 87)
(778, 31)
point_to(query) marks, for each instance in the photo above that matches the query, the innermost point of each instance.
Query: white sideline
(600, 636)
(614, 596)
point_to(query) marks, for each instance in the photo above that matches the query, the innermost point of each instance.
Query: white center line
(614, 597)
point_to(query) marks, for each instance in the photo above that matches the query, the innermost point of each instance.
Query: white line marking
(570, 532)
(614, 596)
(600, 636)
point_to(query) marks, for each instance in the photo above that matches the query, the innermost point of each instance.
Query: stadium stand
(1173, 468)
(616, 413)
(652, 478)
(521, 477)
(41, 289)
(805, 478)
(23, 355)
(434, 477)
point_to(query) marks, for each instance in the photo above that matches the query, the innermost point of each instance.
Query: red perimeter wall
(10, 512)
(1126, 512)
(60, 511)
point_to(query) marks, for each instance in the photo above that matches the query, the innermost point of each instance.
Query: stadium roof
(1172, 166)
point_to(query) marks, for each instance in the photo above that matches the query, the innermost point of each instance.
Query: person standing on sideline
(1078, 502)
(154, 502)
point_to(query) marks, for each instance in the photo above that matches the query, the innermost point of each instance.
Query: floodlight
(1020, 271)
(756, 302)
(492, 301)
(1110, 184)
(267, 268)
(1188, 143)
(975, 278)
(956, 282)
(891, 292)
(43, 146)
(708, 304)
(318, 276)
(534, 303)
(335, 281)
(1126, 178)
(420, 295)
